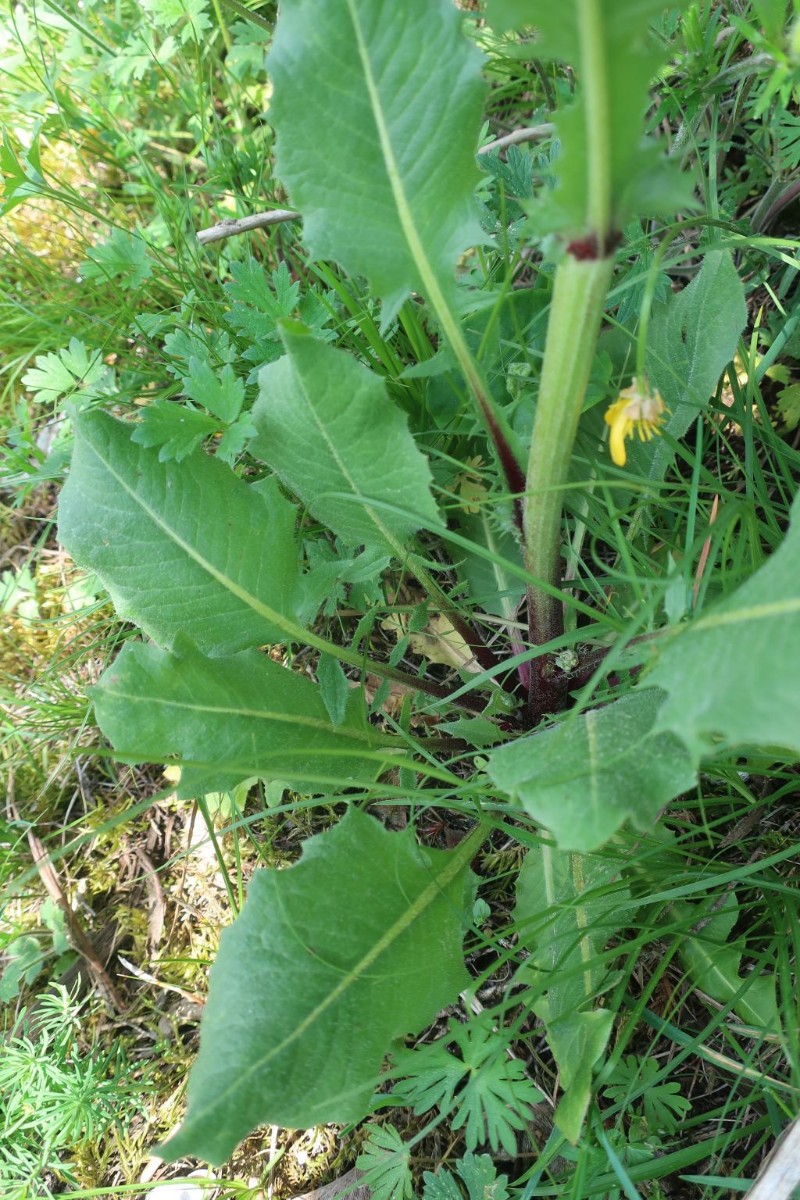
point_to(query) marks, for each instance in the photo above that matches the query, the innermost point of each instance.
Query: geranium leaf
(401, 90)
(230, 719)
(218, 391)
(182, 547)
(319, 405)
(175, 429)
(584, 778)
(357, 944)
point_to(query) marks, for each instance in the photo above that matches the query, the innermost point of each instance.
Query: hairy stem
(575, 315)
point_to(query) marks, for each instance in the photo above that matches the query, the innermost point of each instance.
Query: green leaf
(229, 719)
(480, 1176)
(334, 688)
(235, 438)
(788, 406)
(491, 587)
(636, 1080)
(477, 731)
(123, 256)
(72, 372)
(480, 1179)
(23, 962)
(714, 964)
(386, 1165)
(577, 1042)
(440, 1185)
(182, 547)
(401, 90)
(693, 336)
(494, 1095)
(771, 15)
(357, 944)
(175, 429)
(566, 912)
(257, 295)
(320, 406)
(218, 391)
(622, 58)
(582, 779)
(731, 676)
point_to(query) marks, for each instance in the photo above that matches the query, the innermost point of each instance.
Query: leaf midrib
(288, 626)
(460, 858)
(315, 723)
(397, 547)
(405, 214)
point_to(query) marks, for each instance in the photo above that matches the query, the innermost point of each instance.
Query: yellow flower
(638, 410)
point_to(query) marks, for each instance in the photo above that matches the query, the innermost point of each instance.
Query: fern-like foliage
(488, 1092)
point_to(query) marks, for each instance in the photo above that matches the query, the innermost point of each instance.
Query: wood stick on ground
(230, 226)
(780, 1174)
(274, 216)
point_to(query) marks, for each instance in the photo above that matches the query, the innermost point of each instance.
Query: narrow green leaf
(577, 1043)
(320, 406)
(357, 944)
(229, 719)
(182, 547)
(584, 778)
(567, 912)
(732, 675)
(401, 91)
(693, 336)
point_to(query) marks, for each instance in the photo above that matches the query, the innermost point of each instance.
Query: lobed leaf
(327, 427)
(181, 547)
(582, 779)
(714, 964)
(731, 676)
(357, 944)
(231, 719)
(693, 336)
(387, 191)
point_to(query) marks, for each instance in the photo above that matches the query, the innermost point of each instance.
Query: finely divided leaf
(387, 191)
(221, 392)
(732, 675)
(174, 429)
(230, 719)
(584, 778)
(182, 547)
(329, 961)
(327, 427)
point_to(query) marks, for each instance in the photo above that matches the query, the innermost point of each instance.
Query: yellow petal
(619, 431)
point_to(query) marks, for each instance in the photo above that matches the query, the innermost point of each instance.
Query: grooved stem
(575, 314)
